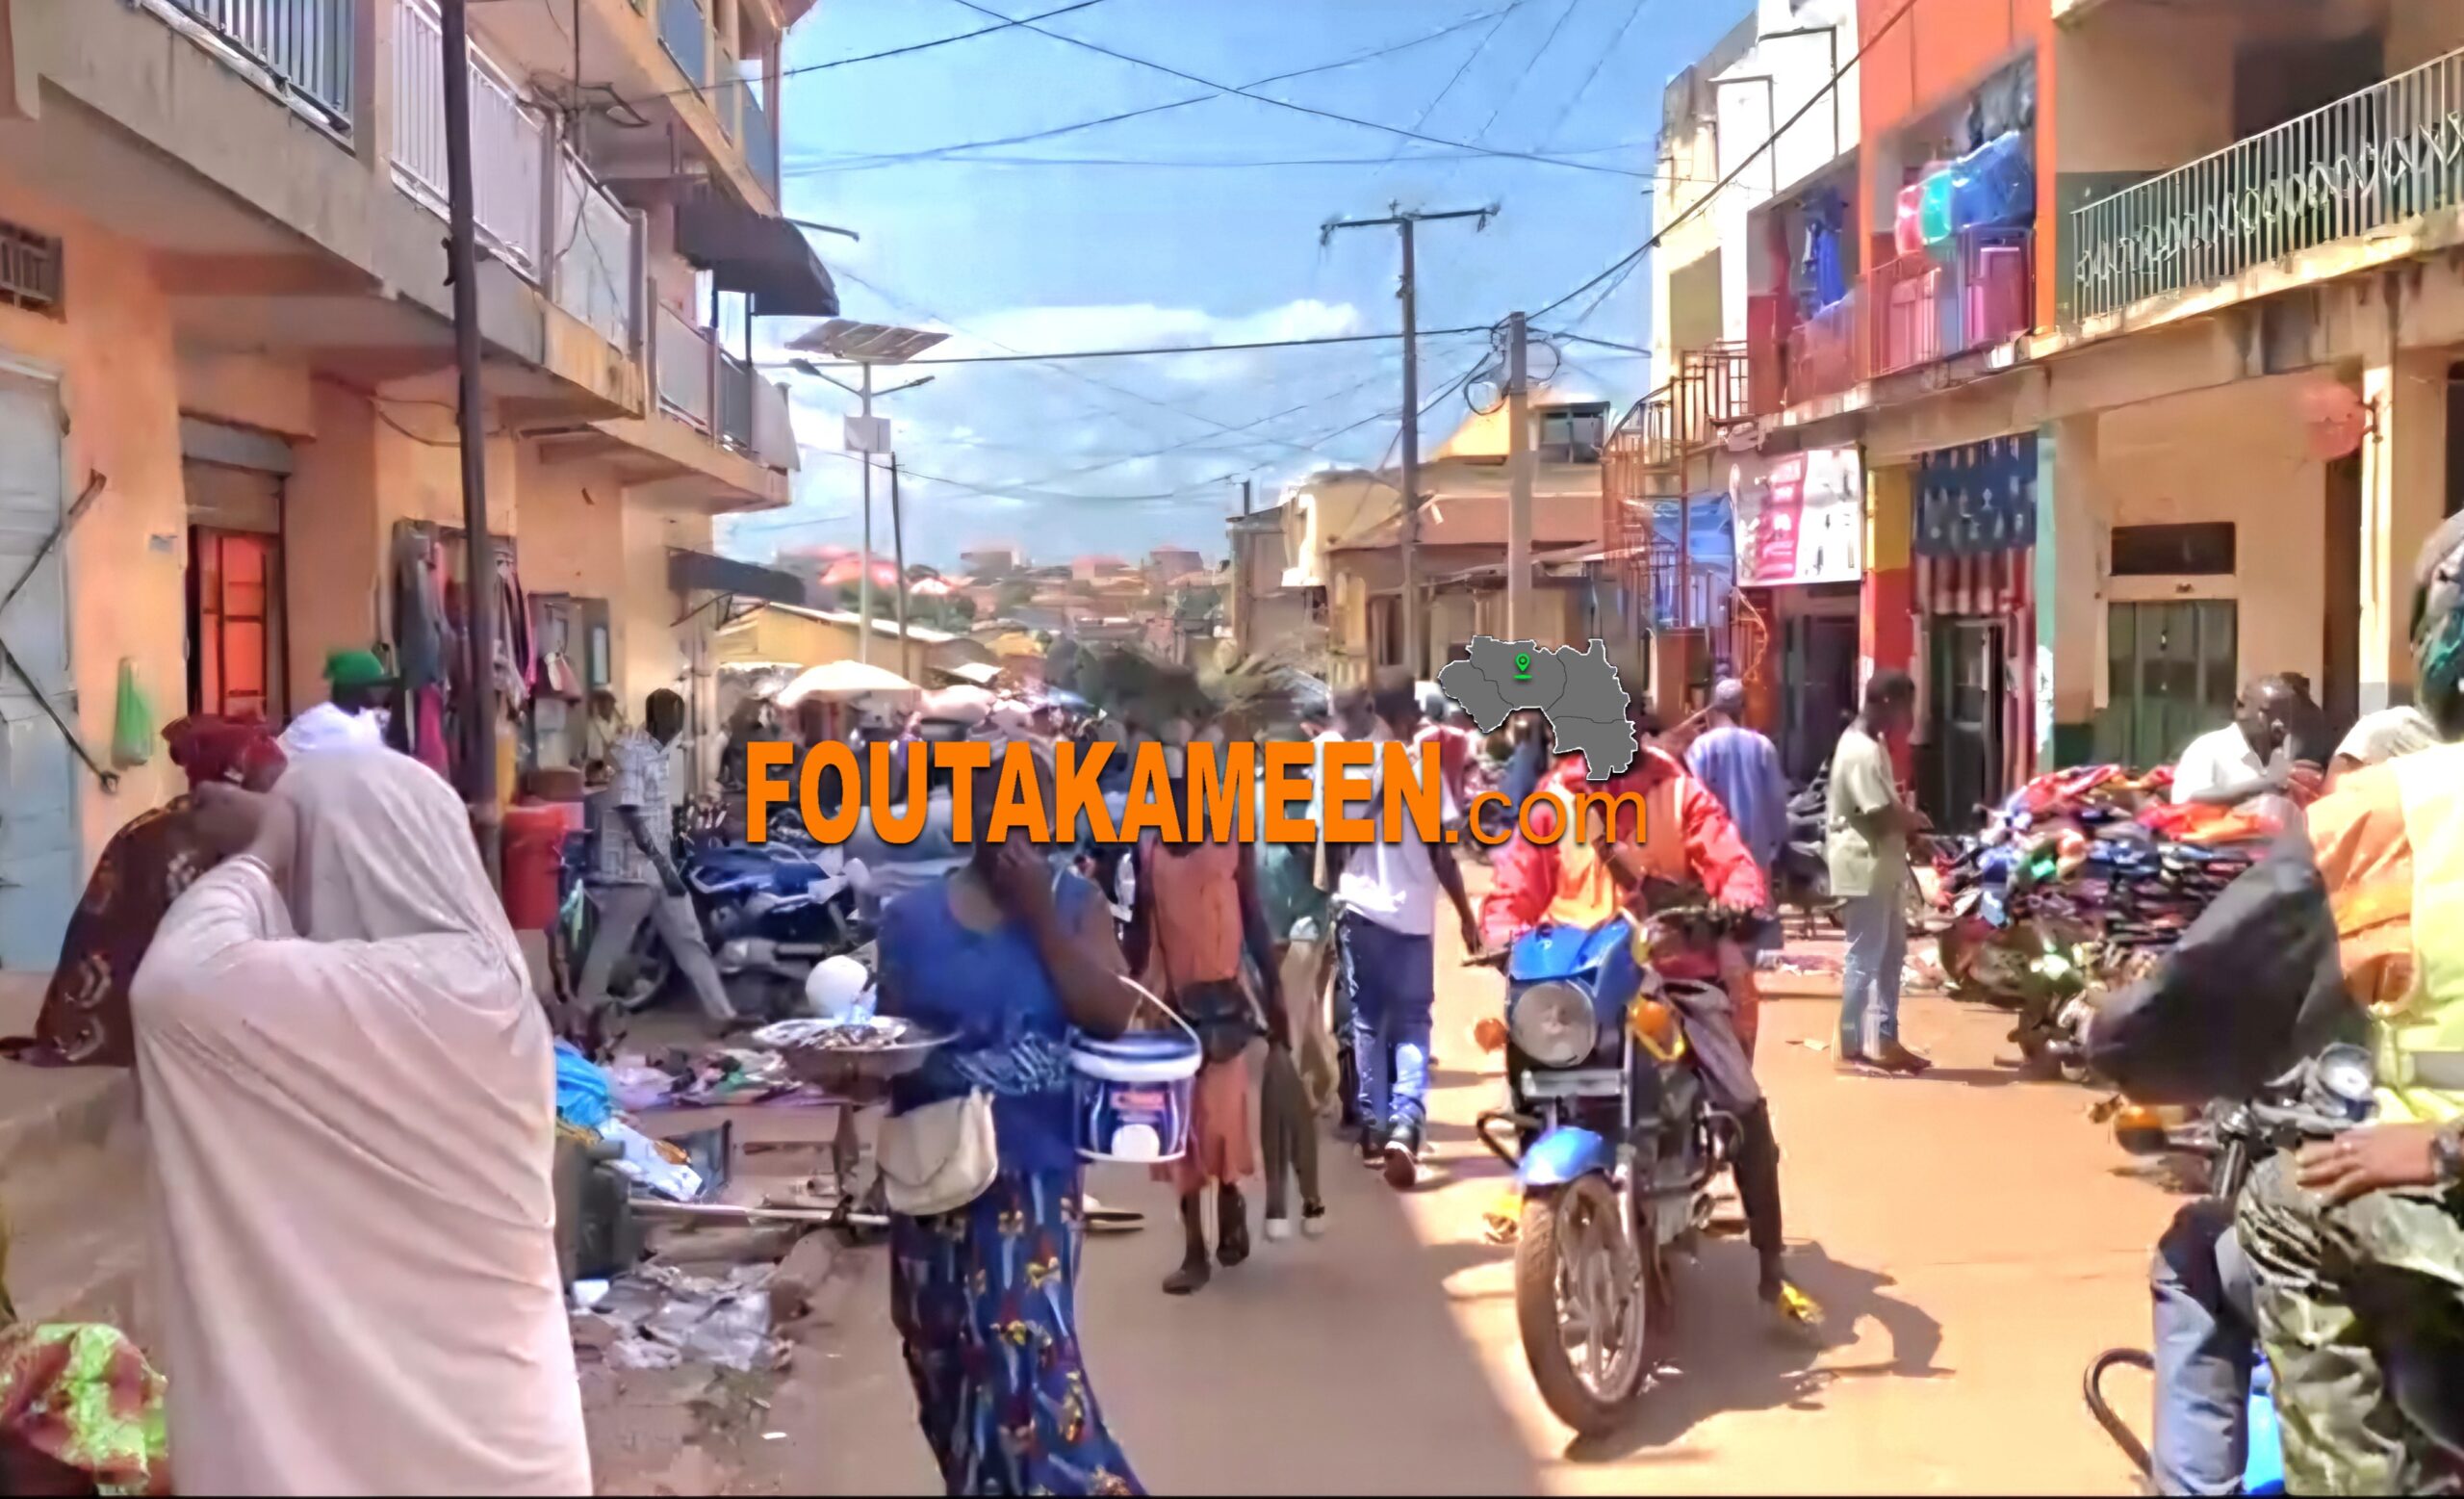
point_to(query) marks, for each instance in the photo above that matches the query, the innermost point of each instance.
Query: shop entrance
(1970, 664)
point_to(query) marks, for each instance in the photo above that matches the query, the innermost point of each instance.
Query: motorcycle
(2319, 1100)
(1614, 1144)
(770, 920)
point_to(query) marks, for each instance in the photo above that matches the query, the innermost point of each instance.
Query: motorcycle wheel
(1582, 1305)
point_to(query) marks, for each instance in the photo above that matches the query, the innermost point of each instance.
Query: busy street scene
(1163, 746)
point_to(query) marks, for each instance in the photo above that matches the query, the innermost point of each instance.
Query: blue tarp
(1707, 529)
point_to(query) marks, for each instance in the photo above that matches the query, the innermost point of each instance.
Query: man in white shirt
(352, 717)
(1386, 955)
(2253, 757)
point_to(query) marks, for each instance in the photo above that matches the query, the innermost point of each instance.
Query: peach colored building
(223, 312)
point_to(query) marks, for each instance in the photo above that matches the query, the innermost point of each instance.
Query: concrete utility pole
(479, 551)
(864, 573)
(1519, 464)
(1404, 223)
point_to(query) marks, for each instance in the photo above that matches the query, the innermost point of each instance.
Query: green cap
(356, 669)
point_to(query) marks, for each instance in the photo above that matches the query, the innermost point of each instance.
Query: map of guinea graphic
(1578, 690)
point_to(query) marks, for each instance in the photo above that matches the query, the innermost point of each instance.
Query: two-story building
(226, 366)
(2142, 319)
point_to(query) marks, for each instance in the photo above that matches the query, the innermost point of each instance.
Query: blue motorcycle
(1615, 1144)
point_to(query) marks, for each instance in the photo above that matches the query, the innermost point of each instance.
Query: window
(31, 273)
(2203, 549)
(1569, 434)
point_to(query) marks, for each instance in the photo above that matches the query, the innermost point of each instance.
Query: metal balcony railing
(305, 47)
(685, 368)
(597, 274)
(684, 31)
(760, 151)
(508, 142)
(1920, 308)
(2368, 162)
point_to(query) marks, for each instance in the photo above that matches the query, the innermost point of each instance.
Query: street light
(866, 345)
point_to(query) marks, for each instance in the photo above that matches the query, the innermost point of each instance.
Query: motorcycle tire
(642, 975)
(1555, 1224)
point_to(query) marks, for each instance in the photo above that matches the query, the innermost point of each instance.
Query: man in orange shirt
(1683, 837)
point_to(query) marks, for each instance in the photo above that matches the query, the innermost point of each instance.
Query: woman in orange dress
(1197, 913)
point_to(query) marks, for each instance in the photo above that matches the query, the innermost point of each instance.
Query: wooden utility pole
(480, 547)
(1414, 656)
(898, 560)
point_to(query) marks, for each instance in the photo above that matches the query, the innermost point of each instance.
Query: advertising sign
(1803, 521)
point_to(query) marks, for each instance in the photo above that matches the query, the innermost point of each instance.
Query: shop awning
(769, 259)
(700, 572)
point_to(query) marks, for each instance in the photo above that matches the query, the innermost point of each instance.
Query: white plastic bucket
(1132, 1095)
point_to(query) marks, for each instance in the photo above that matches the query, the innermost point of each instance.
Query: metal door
(40, 856)
(1969, 717)
(2171, 672)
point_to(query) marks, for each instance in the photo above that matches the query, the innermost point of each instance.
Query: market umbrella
(845, 682)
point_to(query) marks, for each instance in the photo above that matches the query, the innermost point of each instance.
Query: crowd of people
(303, 956)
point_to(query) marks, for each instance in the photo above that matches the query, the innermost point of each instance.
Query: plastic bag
(132, 722)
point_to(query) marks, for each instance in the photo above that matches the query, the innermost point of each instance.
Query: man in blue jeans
(1386, 956)
(2206, 1352)
(1867, 848)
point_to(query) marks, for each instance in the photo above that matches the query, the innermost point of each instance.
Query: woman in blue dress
(1009, 957)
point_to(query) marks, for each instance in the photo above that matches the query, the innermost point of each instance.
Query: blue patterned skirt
(985, 1301)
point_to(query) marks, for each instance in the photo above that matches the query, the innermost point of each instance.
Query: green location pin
(1523, 666)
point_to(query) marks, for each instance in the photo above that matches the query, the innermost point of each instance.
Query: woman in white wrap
(350, 1095)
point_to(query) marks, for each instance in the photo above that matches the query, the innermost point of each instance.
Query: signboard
(1803, 521)
(867, 435)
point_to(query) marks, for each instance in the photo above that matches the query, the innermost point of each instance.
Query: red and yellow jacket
(1683, 832)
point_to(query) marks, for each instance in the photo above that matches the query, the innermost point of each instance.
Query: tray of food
(831, 1051)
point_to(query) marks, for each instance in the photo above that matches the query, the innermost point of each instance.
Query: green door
(2173, 672)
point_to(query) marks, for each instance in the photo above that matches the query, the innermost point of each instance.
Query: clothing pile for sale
(2107, 851)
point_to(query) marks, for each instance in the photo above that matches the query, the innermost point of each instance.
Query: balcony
(1924, 308)
(2364, 164)
(760, 148)
(718, 395)
(302, 49)
(684, 31)
(537, 207)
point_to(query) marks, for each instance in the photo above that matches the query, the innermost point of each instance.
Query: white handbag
(938, 1159)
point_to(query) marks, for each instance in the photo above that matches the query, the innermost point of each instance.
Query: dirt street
(1972, 1238)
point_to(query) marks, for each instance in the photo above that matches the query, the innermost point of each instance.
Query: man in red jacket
(1683, 836)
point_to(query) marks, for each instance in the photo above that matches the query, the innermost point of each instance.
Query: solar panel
(867, 342)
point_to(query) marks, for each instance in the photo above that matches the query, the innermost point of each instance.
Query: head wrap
(211, 748)
(2438, 620)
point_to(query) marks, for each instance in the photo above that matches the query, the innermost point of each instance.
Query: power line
(939, 41)
(1134, 354)
(1303, 109)
(935, 152)
(826, 167)
(1524, 76)
(1598, 61)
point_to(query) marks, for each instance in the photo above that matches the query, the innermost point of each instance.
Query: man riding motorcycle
(1680, 837)
(2355, 1246)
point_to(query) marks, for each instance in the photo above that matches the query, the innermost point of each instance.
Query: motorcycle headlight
(2344, 1073)
(1553, 1023)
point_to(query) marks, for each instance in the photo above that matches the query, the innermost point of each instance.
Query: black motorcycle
(2320, 1099)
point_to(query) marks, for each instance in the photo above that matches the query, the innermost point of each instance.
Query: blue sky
(1072, 252)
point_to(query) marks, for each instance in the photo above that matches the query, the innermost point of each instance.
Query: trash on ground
(664, 1317)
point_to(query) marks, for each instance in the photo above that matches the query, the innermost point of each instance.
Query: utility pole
(1519, 464)
(1242, 564)
(898, 560)
(479, 550)
(1404, 223)
(866, 344)
(864, 573)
